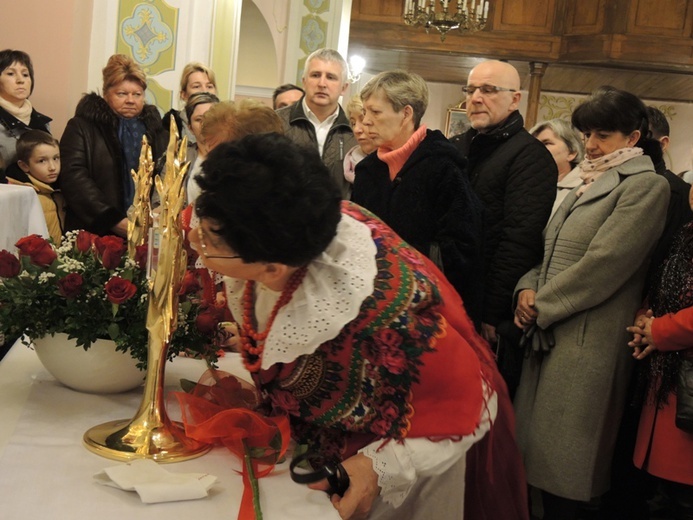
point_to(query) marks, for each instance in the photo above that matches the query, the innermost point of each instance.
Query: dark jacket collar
(38, 121)
(508, 128)
(93, 108)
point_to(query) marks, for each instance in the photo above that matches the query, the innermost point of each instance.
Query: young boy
(38, 161)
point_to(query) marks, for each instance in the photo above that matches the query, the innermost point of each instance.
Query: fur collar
(93, 108)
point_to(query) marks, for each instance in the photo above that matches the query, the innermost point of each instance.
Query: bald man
(515, 177)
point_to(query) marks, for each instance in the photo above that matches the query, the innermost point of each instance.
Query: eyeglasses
(203, 245)
(486, 90)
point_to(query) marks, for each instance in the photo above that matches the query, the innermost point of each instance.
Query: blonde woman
(196, 77)
(365, 144)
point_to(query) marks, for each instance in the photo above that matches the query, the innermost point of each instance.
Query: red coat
(671, 455)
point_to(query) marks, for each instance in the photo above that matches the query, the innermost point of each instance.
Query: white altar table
(45, 471)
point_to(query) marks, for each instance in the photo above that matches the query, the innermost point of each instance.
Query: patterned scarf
(592, 169)
(130, 132)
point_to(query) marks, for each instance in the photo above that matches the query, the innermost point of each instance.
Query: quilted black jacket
(515, 177)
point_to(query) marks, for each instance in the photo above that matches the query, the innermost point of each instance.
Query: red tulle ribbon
(219, 410)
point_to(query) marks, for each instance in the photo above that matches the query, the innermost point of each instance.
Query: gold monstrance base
(137, 438)
(150, 434)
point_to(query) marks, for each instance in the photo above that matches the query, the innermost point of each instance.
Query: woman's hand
(525, 312)
(121, 228)
(363, 488)
(642, 343)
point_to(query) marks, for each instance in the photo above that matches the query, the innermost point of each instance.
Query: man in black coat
(515, 177)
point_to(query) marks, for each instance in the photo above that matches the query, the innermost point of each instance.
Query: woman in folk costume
(577, 304)
(358, 338)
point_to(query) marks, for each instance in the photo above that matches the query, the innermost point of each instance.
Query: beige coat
(589, 287)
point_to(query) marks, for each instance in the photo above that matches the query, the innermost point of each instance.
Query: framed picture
(456, 122)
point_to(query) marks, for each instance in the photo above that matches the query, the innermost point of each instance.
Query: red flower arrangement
(89, 288)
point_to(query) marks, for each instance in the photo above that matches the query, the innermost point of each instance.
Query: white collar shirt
(322, 128)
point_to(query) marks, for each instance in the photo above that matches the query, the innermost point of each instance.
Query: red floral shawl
(409, 365)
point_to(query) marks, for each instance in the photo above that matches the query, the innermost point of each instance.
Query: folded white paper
(154, 484)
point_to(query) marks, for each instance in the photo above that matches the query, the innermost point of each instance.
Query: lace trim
(400, 465)
(335, 286)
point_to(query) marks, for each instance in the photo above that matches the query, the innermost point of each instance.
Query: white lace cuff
(400, 465)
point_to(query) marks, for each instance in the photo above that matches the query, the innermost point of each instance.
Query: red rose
(9, 265)
(141, 253)
(119, 290)
(71, 285)
(111, 249)
(285, 401)
(208, 319)
(84, 241)
(381, 427)
(394, 361)
(38, 249)
(387, 339)
(190, 284)
(389, 411)
(412, 255)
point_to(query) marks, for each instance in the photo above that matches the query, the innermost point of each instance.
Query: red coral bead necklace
(252, 341)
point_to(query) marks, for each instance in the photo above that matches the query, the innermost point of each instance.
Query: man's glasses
(203, 245)
(486, 90)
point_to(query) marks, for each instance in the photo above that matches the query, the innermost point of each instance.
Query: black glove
(542, 340)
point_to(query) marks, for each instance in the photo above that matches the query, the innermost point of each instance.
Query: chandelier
(470, 15)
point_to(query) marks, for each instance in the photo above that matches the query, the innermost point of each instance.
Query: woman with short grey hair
(564, 143)
(416, 183)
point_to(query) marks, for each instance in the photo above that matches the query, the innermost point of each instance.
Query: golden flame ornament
(151, 434)
(139, 214)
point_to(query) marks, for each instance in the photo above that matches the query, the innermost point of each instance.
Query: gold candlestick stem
(151, 434)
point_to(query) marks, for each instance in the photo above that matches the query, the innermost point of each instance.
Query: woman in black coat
(415, 182)
(101, 145)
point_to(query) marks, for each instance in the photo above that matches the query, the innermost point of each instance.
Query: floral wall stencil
(557, 107)
(317, 6)
(313, 33)
(147, 32)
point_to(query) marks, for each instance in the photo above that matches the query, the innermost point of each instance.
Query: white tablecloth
(20, 215)
(45, 472)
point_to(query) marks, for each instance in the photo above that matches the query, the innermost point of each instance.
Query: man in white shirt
(318, 120)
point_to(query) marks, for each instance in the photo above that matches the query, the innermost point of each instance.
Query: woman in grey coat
(576, 305)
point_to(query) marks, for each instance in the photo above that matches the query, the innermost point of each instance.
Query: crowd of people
(455, 321)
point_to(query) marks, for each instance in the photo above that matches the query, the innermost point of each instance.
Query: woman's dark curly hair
(9, 56)
(612, 110)
(269, 199)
